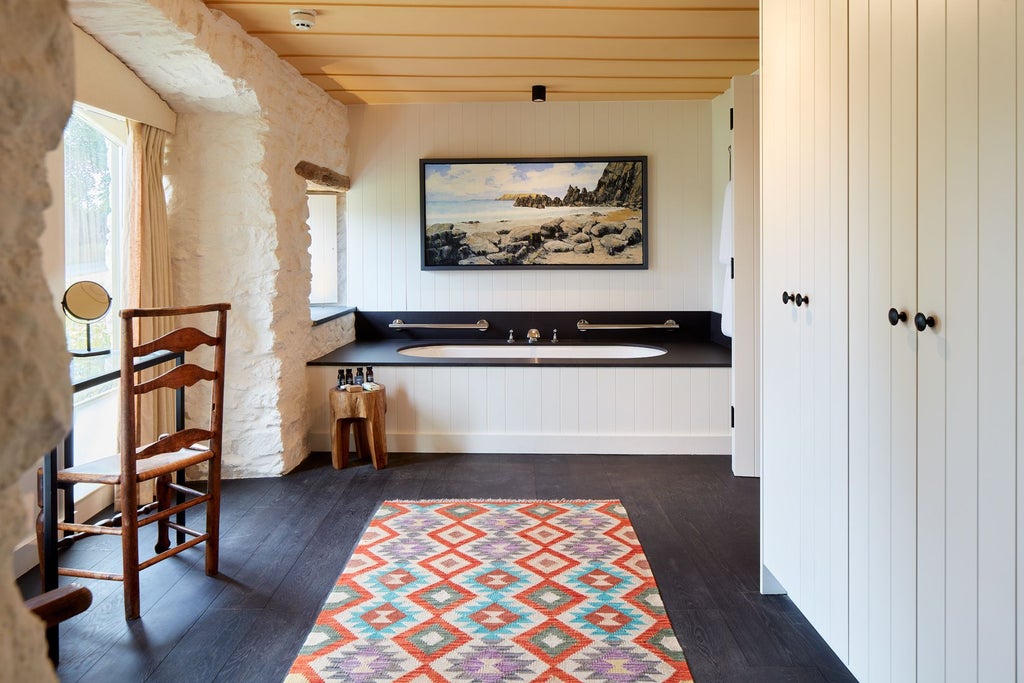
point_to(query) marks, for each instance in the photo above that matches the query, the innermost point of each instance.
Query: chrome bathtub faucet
(554, 336)
(533, 336)
(510, 339)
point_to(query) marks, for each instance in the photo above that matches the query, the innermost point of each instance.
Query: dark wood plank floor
(285, 540)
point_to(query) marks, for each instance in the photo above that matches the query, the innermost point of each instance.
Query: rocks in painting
(557, 246)
(584, 247)
(631, 234)
(579, 238)
(602, 229)
(526, 233)
(613, 244)
(476, 261)
(480, 245)
(503, 258)
(443, 245)
(537, 201)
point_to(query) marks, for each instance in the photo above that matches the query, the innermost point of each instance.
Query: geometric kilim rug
(494, 591)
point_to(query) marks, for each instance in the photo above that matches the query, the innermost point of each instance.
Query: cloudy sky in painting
(469, 181)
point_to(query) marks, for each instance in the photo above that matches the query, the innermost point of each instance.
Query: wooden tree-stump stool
(365, 410)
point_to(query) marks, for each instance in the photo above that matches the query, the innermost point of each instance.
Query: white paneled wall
(437, 409)
(383, 206)
(922, 561)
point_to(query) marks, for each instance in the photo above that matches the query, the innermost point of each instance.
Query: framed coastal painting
(588, 212)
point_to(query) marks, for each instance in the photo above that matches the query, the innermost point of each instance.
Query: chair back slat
(176, 378)
(174, 442)
(178, 341)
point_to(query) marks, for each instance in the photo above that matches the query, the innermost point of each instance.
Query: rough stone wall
(35, 102)
(238, 209)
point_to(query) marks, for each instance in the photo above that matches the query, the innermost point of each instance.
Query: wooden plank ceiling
(380, 51)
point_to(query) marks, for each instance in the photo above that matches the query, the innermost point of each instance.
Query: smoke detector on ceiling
(303, 19)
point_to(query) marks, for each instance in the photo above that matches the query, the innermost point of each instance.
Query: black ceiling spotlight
(540, 93)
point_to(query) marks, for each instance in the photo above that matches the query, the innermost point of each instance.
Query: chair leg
(213, 517)
(130, 548)
(163, 500)
(363, 440)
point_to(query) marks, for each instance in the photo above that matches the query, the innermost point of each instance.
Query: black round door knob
(897, 317)
(786, 298)
(801, 300)
(921, 321)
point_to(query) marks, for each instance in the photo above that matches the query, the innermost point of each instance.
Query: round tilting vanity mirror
(86, 302)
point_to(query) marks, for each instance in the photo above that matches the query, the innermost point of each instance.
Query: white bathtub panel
(700, 400)
(661, 406)
(550, 400)
(460, 401)
(643, 390)
(558, 410)
(588, 401)
(619, 399)
(681, 416)
(516, 393)
(568, 400)
(497, 411)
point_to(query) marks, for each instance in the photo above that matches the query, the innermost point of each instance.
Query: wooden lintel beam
(323, 176)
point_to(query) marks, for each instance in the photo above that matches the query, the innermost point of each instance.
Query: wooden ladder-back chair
(169, 454)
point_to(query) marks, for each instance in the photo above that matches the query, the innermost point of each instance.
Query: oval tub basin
(567, 351)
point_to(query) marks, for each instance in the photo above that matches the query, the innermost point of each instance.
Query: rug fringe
(507, 500)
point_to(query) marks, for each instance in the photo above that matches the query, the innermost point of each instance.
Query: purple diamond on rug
(490, 663)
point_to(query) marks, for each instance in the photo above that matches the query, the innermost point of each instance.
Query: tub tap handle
(509, 340)
(554, 336)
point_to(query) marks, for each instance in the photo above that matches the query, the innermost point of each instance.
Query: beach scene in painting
(562, 213)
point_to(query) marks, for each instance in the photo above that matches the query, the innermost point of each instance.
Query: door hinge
(730, 118)
(732, 416)
(732, 268)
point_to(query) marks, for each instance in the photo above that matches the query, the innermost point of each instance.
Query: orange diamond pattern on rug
(493, 591)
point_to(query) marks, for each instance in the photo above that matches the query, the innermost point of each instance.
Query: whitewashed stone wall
(237, 209)
(35, 101)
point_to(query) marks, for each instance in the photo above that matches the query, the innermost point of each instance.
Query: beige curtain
(149, 271)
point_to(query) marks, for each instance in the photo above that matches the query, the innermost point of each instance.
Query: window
(95, 215)
(323, 248)
(95, 158)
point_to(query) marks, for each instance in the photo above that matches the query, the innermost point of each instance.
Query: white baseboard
(632, 444)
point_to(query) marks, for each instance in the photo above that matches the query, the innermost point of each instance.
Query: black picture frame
(534, 213)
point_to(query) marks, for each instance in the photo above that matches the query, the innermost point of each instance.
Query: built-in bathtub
(562, 351)
(468, 391)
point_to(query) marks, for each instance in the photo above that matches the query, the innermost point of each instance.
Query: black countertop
(380, 353)
(697, 342)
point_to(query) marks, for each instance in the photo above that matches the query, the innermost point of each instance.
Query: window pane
(93, 216)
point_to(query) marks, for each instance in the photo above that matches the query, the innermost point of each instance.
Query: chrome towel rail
(583, 326)
(398, 324)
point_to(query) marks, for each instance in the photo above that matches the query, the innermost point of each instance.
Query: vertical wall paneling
(859, 309)
(902, 341)
(838, 386)
(747, 249)
(931, 379)
(996, 328)
(383, 211)
(777, 543)
(960, 329)
(804, 232)
(924, 178)
(1019, 351)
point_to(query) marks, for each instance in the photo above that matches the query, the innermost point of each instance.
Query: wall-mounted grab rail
(583, 326)
(398, 324)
